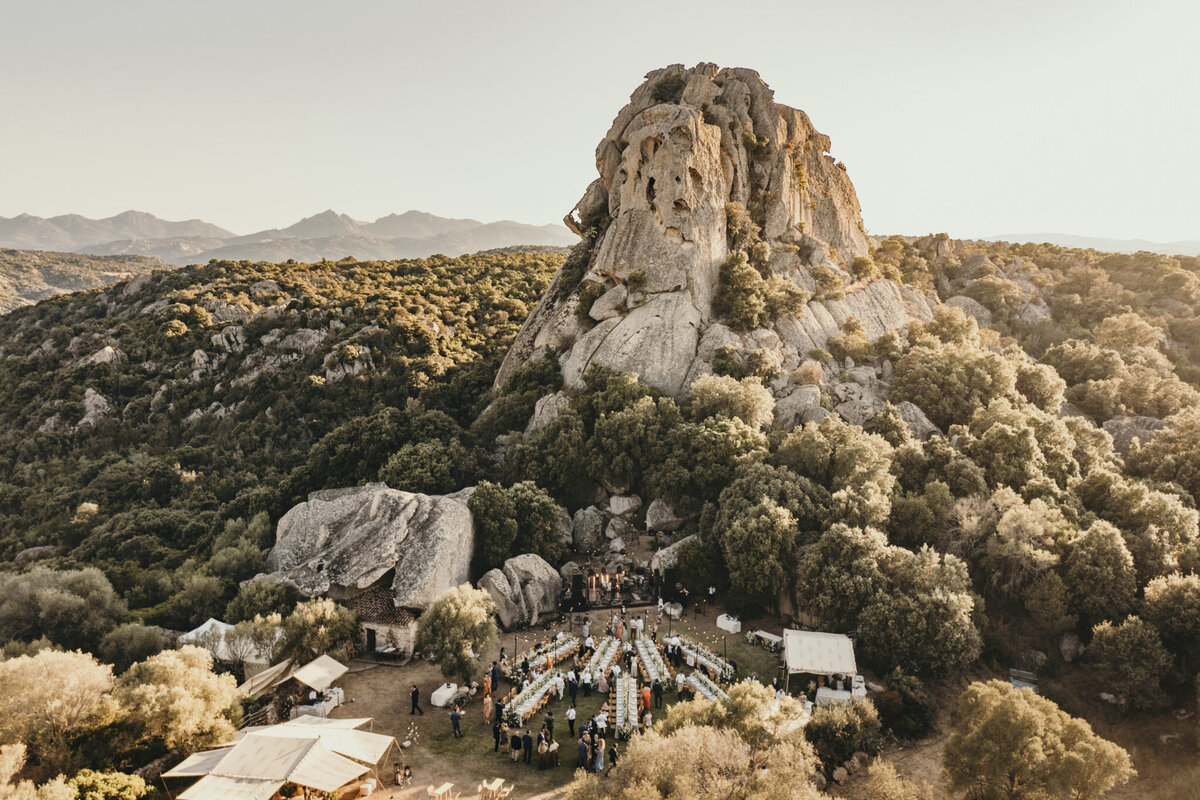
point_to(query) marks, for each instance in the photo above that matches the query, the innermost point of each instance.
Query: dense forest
(156, 429)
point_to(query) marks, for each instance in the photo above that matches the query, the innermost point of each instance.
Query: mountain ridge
(327, 234)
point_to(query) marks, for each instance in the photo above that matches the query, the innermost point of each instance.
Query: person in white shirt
(589, 642)
(561, 685)
(572, 677)
(571, 720)
(616, 670)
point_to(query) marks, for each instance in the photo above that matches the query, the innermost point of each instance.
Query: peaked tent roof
(320, 673)
(271, 676)
(329, 722)
(263, 760)
(818, 653)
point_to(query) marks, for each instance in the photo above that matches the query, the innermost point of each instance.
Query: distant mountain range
(1187, 247)
(413, 234)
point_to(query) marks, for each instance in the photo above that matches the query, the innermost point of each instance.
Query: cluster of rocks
(523, 589)
(856, 764)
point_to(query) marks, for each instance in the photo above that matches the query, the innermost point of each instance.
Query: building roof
(324, 757)
(320, 673)
(378, 606)
(818, 653)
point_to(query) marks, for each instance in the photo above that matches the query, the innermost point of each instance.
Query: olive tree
(457, 630)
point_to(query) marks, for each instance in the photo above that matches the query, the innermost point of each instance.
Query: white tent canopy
(818, 653)
(269, 677)
(324, 757)
(320, 673)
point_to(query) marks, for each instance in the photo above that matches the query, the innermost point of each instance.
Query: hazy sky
(975, 118)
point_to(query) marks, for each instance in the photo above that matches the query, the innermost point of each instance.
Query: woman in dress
(599, 765)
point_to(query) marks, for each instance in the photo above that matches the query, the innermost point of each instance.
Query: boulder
(972, 308)
(563, 529)
(624, 504)
(1070, 646)
(524, 589)
(661, 517)
(567, 570)
(618, 527)
(840, 775)
(617, 545)
(791, 407)
(977, 266)
(95, 406)
(816, 415)
(917, 422)
(1125, 429)
(342, 541)
(858, 412)
(545, 411)
(587, 528)
(668, 556)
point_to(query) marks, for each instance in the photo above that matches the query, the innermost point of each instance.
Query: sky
(974, 118)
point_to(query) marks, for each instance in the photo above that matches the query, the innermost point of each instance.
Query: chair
(504, 793)
(431, 791)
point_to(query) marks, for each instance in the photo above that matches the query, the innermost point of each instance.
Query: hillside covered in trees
(157, 428)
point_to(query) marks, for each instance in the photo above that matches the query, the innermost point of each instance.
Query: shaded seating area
(311, 753)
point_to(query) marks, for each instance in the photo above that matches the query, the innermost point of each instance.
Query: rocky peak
(690, 143)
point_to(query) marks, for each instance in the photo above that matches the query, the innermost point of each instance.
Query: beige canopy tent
(818, 653)
(320, 756)
(268, 678)
(320, 673)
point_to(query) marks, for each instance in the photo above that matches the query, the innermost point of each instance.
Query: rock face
(689, 142)
(1125, 429)
(343, 541)
(524, 589)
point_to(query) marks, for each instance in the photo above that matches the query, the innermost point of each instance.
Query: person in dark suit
(496, 677)
(416, 699)
(657, 691)
(549, 724)
(456, 723)
(527, 746)
(584, 752)
(496, 727)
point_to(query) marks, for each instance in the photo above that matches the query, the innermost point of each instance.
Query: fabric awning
(197, 764)
(217, 787)
(320, 673)
(269, 677)
(329, 722)
(359, 745)
(818, 653)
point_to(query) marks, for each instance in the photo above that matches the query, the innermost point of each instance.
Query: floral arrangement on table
(706, 687)
(626, 705)
(653, 665)
(557, 648)
(606, 651)
(525, 703)
(705, 657)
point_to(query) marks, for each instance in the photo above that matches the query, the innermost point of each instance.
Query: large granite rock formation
(689, 142)
(524, 589)
(343, 541)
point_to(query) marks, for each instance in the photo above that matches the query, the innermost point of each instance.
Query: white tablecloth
(442, 695)
(728, 623)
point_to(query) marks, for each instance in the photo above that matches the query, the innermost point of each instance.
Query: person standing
(496, 676)
(646, 696)
(584, 748)
(416, 700)
(456, 723)
(571, 719)
(496, 728)
(573, 686)
(612, 757)
(550, 724)
(527, 746)
(599, 766)
(514, 745)
(658, 693)
(587, 683)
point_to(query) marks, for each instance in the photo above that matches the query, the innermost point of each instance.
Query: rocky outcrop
(661, 517)
(690, 142)
(669, 555)
(917, 422)
(524, 589)
(588, 528)
(1125, 429)
(95, 408)
(343, 541)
